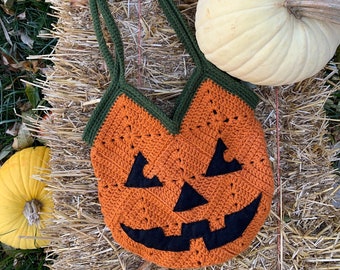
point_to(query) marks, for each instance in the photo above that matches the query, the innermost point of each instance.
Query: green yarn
(204, 69)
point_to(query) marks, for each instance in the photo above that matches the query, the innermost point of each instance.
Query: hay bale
(302, 231)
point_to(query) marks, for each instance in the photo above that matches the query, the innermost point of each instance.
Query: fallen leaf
(7, 59)
(23, 106)
(24, 138)
(26, 39)
(14, 129)
(22, 16)
(4, 59)
(32, 94)
(31, 66)
(9, 3)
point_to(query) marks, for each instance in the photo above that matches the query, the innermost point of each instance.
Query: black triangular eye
(218, 165)
(136, 177)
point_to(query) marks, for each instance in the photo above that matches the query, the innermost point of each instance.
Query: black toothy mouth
(235, 225)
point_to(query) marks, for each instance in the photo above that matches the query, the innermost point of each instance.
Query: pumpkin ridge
(13, 196)
(255, 56)
(282, 56)
(307, 39)
(12, 174)
(34, 187)
(321, 29)
(254, 5)
(27, 169)
(225, 44)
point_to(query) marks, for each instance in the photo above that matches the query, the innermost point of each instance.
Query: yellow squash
(25, 204)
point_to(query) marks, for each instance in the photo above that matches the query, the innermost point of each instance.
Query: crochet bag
(185, 191)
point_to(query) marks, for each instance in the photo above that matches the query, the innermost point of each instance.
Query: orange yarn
(174, 161)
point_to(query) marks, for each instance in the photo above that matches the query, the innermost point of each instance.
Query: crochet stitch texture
(187, 191)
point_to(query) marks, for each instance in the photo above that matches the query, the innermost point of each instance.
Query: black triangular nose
(188, 199)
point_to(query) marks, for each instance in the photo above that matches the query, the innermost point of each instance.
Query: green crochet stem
(204, 69)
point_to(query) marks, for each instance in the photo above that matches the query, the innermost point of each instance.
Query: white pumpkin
(268, 42)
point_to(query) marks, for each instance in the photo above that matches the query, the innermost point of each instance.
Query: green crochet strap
(203, 66)
(116, 67)
(204, 69)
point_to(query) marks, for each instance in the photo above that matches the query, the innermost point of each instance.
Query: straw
(302, 215)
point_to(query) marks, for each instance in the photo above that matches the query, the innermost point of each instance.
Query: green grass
(14, 259)
(20, 25)
(332, 106)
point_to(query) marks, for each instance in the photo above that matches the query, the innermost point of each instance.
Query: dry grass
(303, 229)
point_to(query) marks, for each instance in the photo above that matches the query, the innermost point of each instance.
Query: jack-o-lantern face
(190, 199)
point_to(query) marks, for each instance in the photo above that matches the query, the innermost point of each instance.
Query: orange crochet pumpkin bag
(185, 191)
